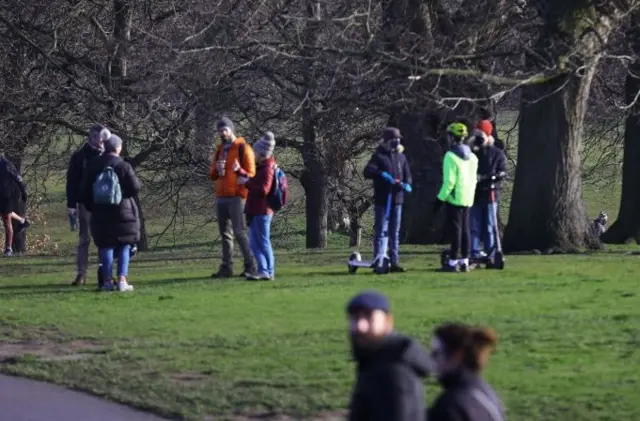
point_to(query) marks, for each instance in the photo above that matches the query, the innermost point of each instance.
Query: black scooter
(495, 259)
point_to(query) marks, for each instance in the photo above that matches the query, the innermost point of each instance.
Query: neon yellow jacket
(459, 176)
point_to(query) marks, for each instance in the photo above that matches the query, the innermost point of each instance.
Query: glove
(242, 180)
(407, 187)
(388, 178)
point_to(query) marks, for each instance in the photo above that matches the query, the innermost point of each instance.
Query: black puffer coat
(112, 226)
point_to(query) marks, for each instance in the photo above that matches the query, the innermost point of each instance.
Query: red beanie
(485, 126)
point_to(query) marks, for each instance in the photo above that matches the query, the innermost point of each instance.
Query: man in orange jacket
(231, 195)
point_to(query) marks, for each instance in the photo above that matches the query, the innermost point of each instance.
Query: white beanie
(265, 145)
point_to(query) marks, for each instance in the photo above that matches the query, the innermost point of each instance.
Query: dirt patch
(11, 352)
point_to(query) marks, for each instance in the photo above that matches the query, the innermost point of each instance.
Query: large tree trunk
(627, 225)
(547, 210)
(315, 183)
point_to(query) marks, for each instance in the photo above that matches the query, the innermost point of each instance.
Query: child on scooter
(459, 177)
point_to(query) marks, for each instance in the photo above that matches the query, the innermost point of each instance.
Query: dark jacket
(466, 397)
(396, 164)
(491, 161)
(112, 226)
(389, 381)
(78, 164)
(10, 181)
(259, 188)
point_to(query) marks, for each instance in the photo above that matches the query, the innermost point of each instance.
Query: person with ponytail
(459, 354)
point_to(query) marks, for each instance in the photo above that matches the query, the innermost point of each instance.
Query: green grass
(184, 344)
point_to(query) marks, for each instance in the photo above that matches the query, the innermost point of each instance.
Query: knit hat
(485, 126)
(369, 301)
(226, 122)
(265, 145)
(391, 133)
(113, 143)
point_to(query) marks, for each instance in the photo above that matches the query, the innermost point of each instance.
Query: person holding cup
(231, 195)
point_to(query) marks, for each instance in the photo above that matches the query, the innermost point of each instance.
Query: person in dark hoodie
(459, 176)
(391, 175)
(390, 367)
(114, 227)
(459, 353)
(491, 162)
(78, 164)
(12, 188)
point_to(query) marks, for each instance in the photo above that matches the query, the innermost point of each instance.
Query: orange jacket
(227, 186)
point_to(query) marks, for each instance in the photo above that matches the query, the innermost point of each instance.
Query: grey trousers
(82, 254)
(231, 222)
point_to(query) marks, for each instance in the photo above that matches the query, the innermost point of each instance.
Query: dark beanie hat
(368, 301)
(226, 122)
(391, 133)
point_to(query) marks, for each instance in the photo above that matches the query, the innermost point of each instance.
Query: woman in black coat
(12, 189)
(115, 227)
(459, 353)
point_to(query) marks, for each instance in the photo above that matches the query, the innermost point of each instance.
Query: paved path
(29, 400)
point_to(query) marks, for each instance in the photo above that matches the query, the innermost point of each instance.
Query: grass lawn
(185, 345)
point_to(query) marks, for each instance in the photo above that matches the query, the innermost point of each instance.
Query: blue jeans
(106, 260)
(483, 226)
(392, 228)
(260, 243)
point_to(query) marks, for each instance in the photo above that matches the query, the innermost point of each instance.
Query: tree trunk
(315, 183)
(547, 210)
(627, 225)
(424, 153)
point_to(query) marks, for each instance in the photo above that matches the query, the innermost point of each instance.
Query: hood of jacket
(462, 151)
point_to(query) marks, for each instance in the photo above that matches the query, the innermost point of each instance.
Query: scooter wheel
(352, 269)
(499, 261)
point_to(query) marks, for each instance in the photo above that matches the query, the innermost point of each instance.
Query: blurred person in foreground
(390, 367)
(459, 354)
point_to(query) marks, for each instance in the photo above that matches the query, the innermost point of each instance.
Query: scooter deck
(360, 263)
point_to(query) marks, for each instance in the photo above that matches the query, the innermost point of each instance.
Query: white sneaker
(123, 286)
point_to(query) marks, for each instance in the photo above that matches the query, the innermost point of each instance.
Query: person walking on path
(78, 164)
(390, 367)
(115, 219)
(11, 183)
(231, 196)
(491, 162)
(258, 212)
(391, 175)
(459, 177)
(459, 354)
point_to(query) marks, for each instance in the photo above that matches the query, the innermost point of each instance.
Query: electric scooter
(381, 262)
(495, 258)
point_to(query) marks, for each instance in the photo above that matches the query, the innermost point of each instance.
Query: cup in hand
(222, 164)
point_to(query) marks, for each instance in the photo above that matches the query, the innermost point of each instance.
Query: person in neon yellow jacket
(459, 178)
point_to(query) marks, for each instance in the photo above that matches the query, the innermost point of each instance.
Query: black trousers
(459, 231)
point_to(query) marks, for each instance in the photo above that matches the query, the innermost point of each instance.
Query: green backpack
(106, 188)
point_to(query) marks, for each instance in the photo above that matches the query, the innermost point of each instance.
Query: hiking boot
(248, 271)
(80, 280)
(124, 286)
(222, 273)
(396, 268)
